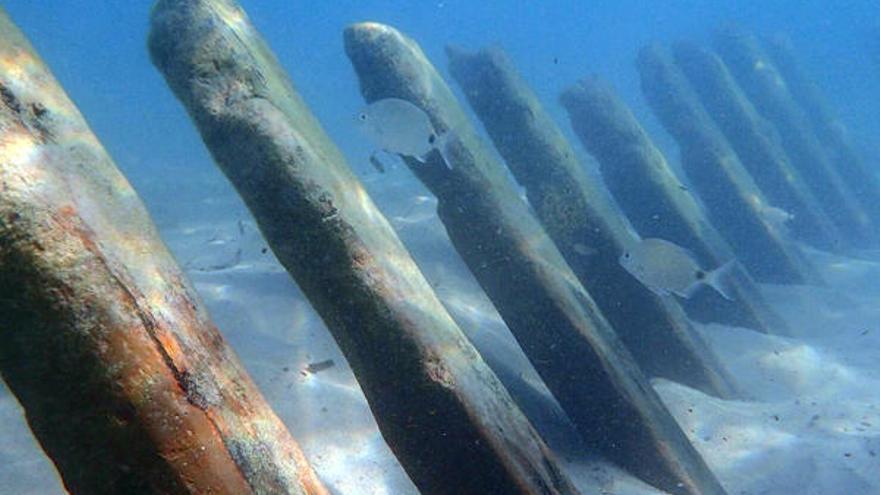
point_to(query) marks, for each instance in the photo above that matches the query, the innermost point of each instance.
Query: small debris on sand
(320, 366)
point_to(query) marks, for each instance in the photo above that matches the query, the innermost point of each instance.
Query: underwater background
(823, 384)
(97, 50)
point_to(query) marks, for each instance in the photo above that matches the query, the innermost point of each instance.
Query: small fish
(523, 194)
(397, 126)
(664, 268)
(234, 261)
(583, 249)
(777, 217)
(377, 164)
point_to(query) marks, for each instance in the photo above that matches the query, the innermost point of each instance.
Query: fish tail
(441, 144)
(720, 279)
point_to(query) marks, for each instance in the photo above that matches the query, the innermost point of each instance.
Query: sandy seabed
(811, 424)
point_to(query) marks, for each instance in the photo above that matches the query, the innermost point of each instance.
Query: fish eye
(626, 255)
(363, 117)
(432, 138)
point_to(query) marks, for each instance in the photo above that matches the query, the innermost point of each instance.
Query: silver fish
(377, 164)
(583, 249)
(777, 217)
(667, 268)
(397, 126)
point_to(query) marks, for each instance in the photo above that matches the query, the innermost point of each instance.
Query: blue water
(98, 52)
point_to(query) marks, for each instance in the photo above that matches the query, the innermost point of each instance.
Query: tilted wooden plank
(124, 380)
(442, 411)
(556, 322)
(757, 75)
(756, 143)
(733, 202)
(655, 201)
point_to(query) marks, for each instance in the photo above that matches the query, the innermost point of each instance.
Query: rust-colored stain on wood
(125, 381)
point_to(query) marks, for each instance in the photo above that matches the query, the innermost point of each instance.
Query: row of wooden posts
(130, 388)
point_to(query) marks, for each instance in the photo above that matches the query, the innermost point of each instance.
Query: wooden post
(851, 167)
(654, 200)
(758, 77)
(556, 322)
(732, 199)
(124, 380)
(589, 232)
(757, 145)
(445, 415)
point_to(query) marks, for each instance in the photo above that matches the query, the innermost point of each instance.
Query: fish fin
(689, 252)
(658, 291)
(687, 293)
(719, 279)
(441, 144)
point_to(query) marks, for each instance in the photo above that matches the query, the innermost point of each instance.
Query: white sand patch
(811, 424)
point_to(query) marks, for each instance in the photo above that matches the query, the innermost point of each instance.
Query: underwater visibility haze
(439, 247)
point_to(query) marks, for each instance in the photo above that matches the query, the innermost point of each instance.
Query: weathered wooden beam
(657, 204)
(442, 411)
(765, 86)
(757, 145)
(848, 163)
(124, 380)
(733, 202)
(556, 322)
(578, 216)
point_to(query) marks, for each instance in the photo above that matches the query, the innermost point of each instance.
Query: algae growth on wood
(445, 415)
(557, 324)
(733, 201)
(849, 163)
(756, 143)
(577, 214)
(755, 72)
(124, 380)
